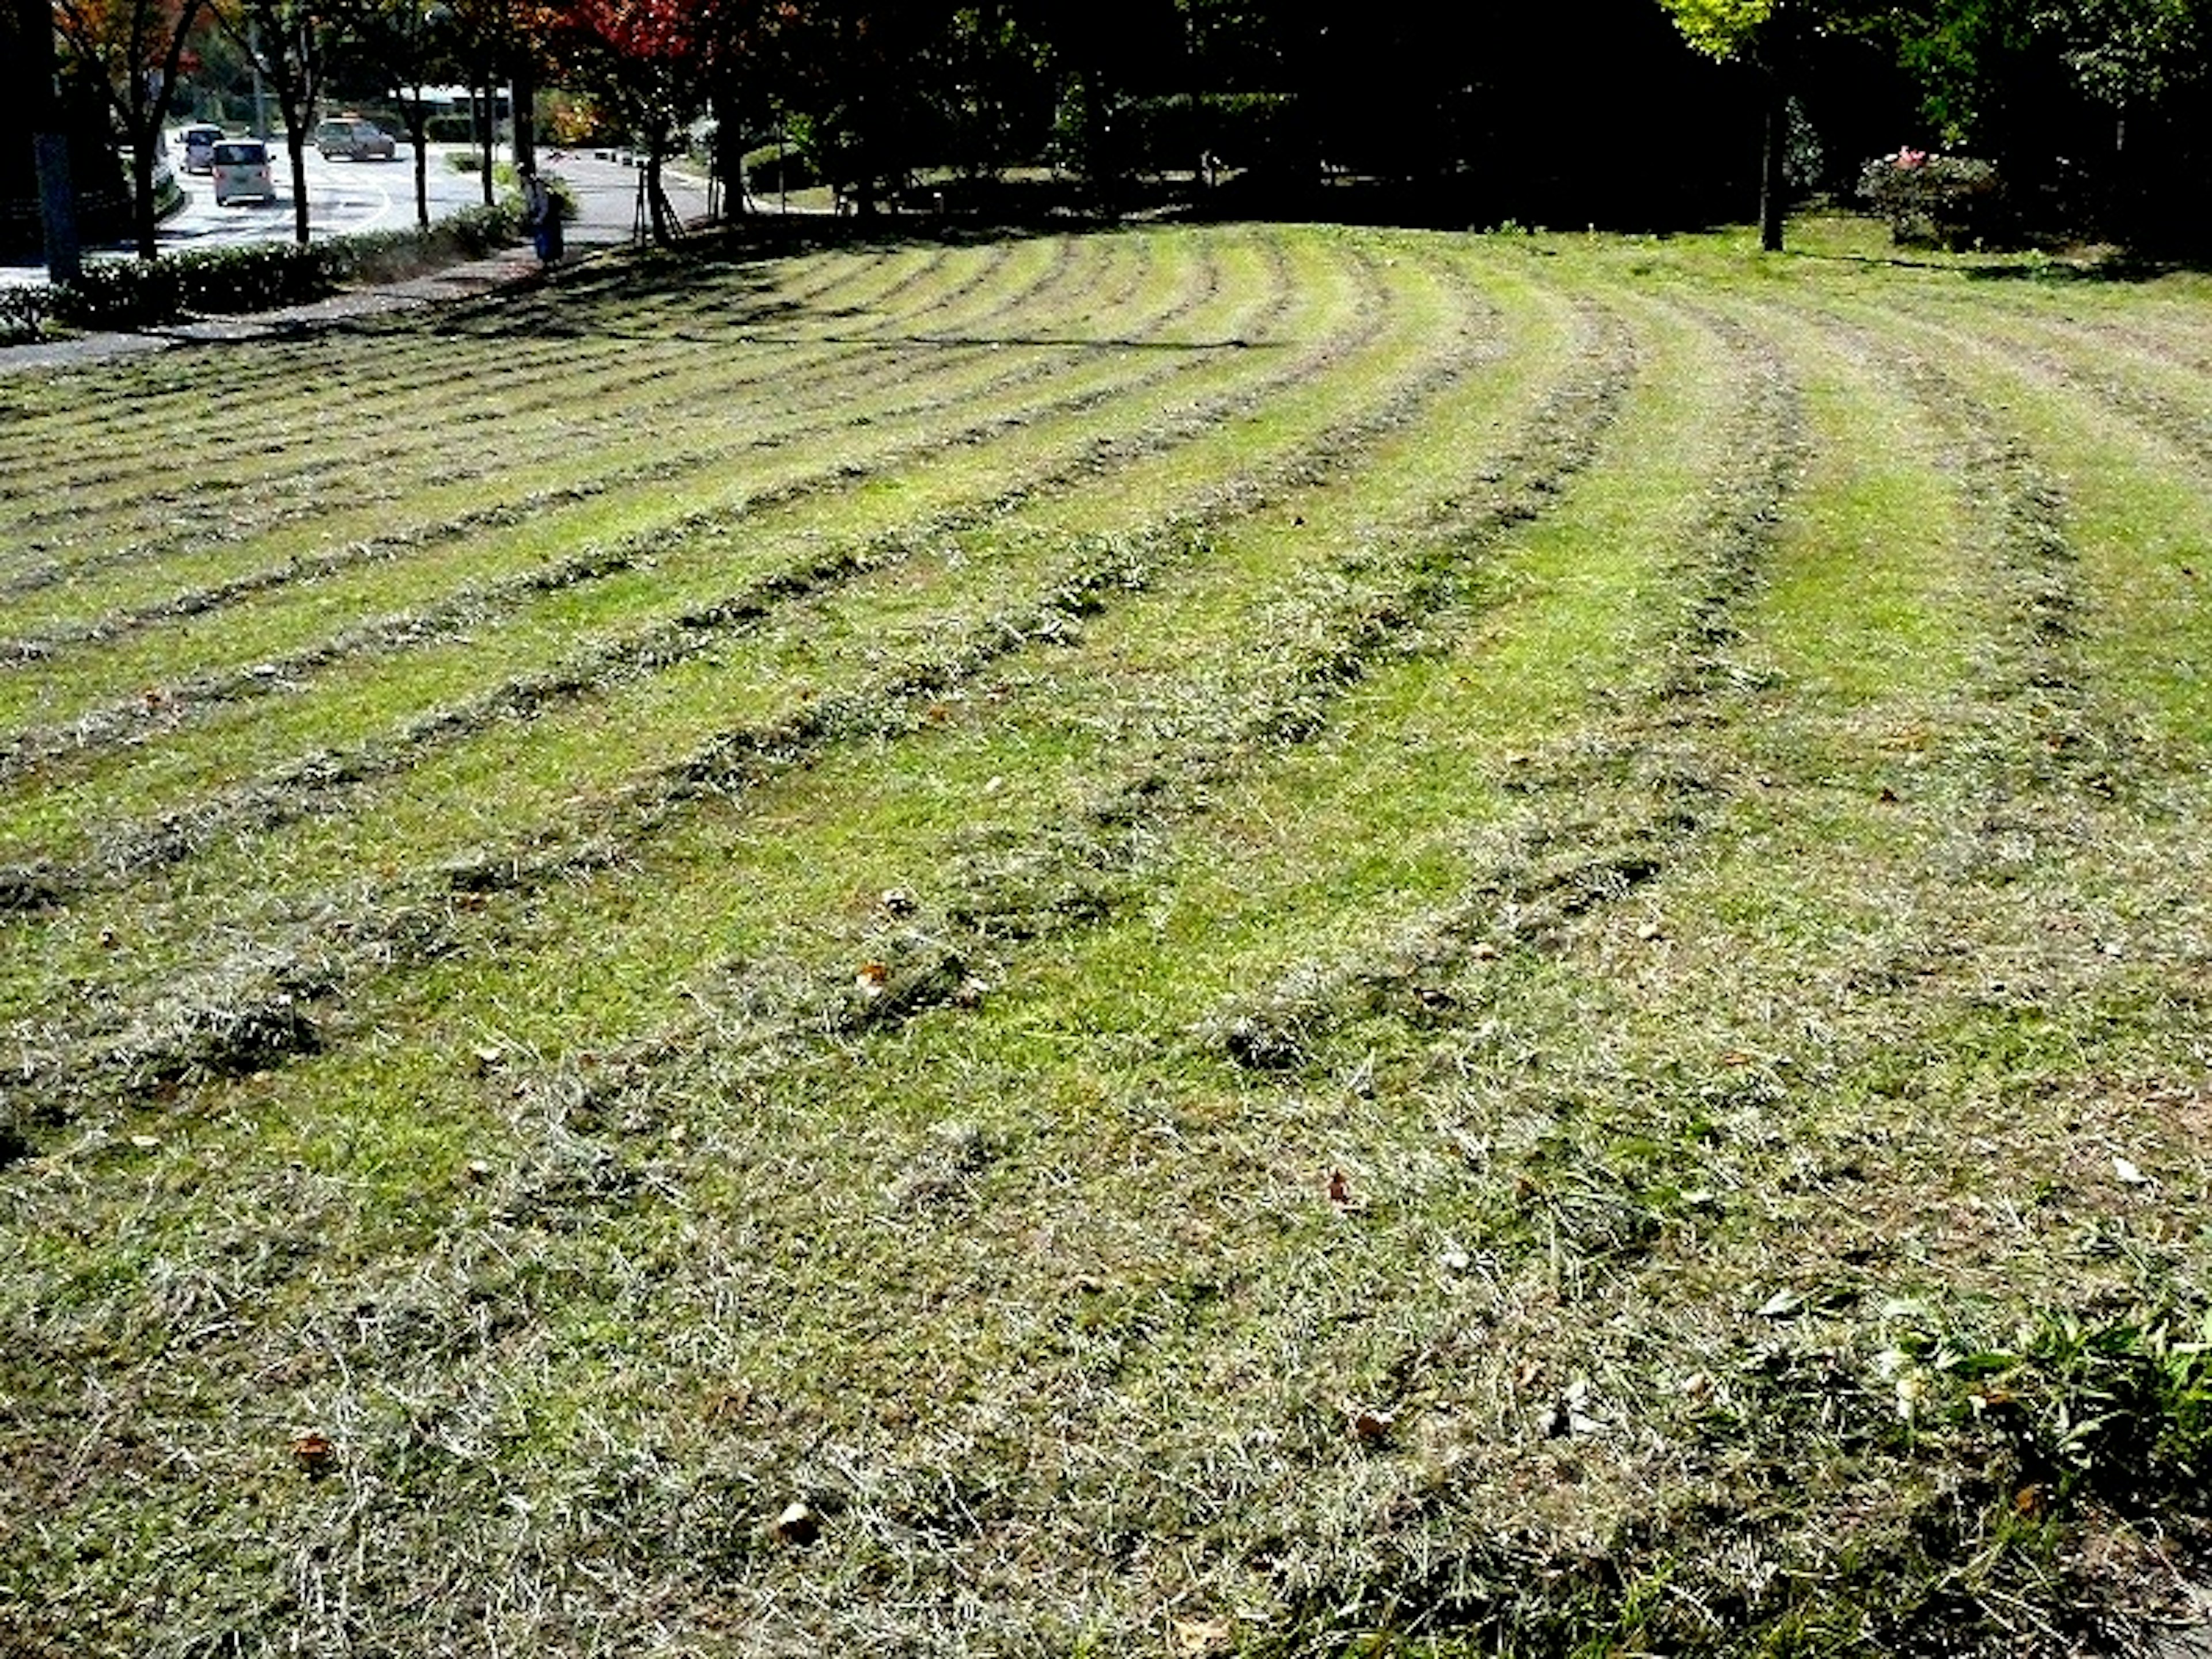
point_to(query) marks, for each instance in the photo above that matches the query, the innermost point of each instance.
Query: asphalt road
(343, 198)
(353, 198)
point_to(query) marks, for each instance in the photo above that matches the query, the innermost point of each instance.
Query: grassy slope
(1233, 939)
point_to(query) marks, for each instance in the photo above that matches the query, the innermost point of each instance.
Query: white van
(239, 169)
(200, 139)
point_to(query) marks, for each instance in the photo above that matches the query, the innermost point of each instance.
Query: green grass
(1237, 940)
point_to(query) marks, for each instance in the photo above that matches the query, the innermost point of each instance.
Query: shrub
(260, 276)
(23, 311)
(481, 230)
(256, 277)
(121, 294)
(143, 293)
(1936, 201)
(390, 255)
(768, 170)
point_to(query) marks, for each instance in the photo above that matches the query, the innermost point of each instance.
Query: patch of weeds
(2113, 1405)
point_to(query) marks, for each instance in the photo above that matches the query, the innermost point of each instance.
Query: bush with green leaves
(23, 312)
(257, 277)
(143, 292)
(1936, 201)
(120, 293)
(260, 276)
(770, 168)
(388, 256)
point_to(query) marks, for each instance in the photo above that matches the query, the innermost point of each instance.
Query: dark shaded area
(1586, 114)
(103, 201)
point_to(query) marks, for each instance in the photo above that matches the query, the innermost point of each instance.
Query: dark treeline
(2066, 117)
(2043, 118)
(1587, 112)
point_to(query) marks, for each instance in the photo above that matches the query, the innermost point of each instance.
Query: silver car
(200, 141)
(354, 139)
(240, 170)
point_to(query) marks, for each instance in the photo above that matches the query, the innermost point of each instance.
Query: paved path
(605, 192)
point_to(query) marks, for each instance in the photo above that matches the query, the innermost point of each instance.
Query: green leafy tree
(285, 40)
(487, 38)
(2130, 54)
(404, 48)
(135, 50)
(1770, 36)
(856, 78)
(2091, 109)
(991, 88)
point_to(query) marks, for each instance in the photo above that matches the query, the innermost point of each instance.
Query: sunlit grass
(1376, 943)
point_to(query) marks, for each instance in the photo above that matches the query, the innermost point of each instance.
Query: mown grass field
(1195, 941)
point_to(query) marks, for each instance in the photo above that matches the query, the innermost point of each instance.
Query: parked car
(355, 139)
(200, 141)
(239, 169)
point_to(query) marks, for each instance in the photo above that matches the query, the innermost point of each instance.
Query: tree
(2131, 54)
(486, 38)
(134, 51)
(405, 46)
(856, 72)
(990, 89)
(284, 40)
(33, 25)
(740, 38)
(647, 61)
(2096, 103)
(1104, 55)
(1769, 35)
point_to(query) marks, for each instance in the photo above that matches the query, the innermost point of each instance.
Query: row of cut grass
(685, 578)
(597, 748)
(400, 565)
(663, 547)
(1670, 1252)
(719, 391)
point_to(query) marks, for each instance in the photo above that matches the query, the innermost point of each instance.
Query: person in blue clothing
(541, 212)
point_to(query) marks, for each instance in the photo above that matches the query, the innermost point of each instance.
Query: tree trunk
(58, 207)
(525, 94)
(487, 134)
(49, 144)
(1100, 153)
(295, 147)
(142, 220)
(417, 117)
(1774, 174)
(729, 151)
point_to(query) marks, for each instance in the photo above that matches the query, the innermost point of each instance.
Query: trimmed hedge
(260, 276)
(145, 293)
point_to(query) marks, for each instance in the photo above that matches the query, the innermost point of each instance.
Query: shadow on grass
(2114, 267)
(721, 281)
